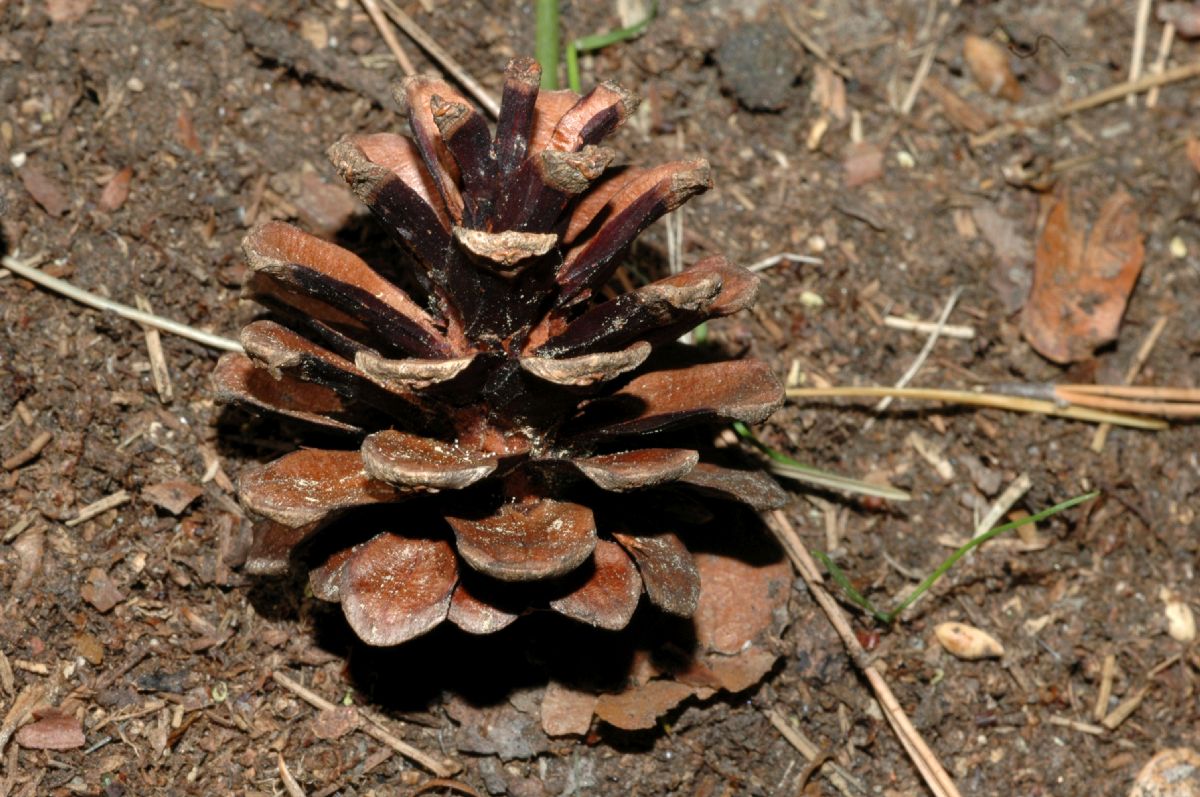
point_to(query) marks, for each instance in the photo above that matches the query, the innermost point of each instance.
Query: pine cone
(506, 435)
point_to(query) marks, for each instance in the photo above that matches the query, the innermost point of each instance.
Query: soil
(138, 622)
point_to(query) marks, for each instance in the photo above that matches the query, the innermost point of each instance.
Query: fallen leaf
(101, 591)
(334, 723)
(45, 190)
(502, 730)
(740, 672)
(737, 600)
(174, 497)
(116, 191)
(967, 642)
(323, 206)
(67, 10)
(988, 62)
(1174, 772)
(52, 730)
(829, 92)
(185, 131)
(863, 163)
(91, 648)
(1184, 16)
(1081, 279)
(639, 709)
(1193, 152)
(960, 112)
(567, 711)
(30, 548)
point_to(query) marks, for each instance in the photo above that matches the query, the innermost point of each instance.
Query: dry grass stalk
(379, 734)
(1135, 367)
(932, 771)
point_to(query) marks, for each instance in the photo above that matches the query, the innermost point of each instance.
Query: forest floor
(135, 624)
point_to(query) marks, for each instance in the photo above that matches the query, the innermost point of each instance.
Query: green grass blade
(783, 465)
(975, 542)
(839, 577)
(599, 41)
(545, 44)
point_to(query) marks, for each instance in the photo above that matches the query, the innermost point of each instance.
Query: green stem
(975, 542)
(545, 46)
(887, 618)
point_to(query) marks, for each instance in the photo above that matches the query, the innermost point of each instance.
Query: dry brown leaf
(101, 591)
(52, 730)
(737, 600)
(567, 711)
(958, 111)
(116, 191)
(829, 92)
(45, 190)
(1193, 152)
(742, 671)
(67, 10)
(334, 723)
(1184, 16)
(174, 497)
(989, 66)
(639, 709)
(1081, 279)
(863, 163)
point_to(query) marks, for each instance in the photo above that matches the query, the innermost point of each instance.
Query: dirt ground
(136, 622)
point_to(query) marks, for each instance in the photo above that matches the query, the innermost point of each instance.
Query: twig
(158, 360)
(29, 452)
(23, 269)
(90, 511)
(444, 59)
(16, 530)
(1139, 360)
(379, 734)
(956, 331)
(1082, 727)
(1010, 496)
(389, 36)
(1160, 63)
(285, 775)
(810, 44)
(926, 762)
(914, 89)
(1124, 709)
(1108, 672)
(1048, 113)
(774, 260)
(925, 350)
(1142, 22)
(839, 777)
(993, 400)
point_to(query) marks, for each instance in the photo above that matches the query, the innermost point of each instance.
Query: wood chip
(53, 730)
(45, 190)
(158, 360)
(174, 497)
(29, 453)
(90, 511)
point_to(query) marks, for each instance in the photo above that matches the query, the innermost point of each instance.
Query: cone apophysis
(509, 434)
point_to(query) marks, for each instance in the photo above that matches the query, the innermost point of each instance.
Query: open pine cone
(504, 445)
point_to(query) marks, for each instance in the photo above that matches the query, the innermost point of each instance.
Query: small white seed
(967, 642)
(1181, 623)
